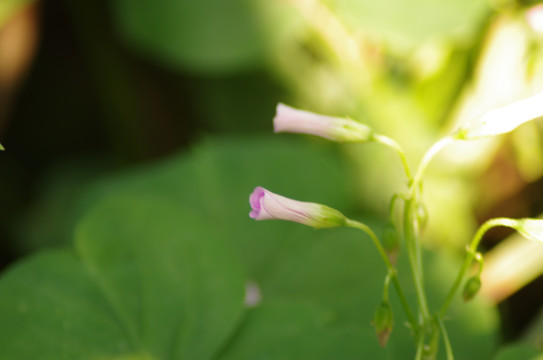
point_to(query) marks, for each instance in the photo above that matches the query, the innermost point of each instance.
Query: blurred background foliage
(102, 97)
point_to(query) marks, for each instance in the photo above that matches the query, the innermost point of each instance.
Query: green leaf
(207, 36)
(409, 23)
(341, 270)
(334, 275)
(218, 177)
(517, 352)
(296, 330)
(50, 308)
(140, 288)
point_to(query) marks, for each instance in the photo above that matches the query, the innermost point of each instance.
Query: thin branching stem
(446, 341)
(428, 156)
(414, 261)
(391, 269)
(471, 251)
(385, 140)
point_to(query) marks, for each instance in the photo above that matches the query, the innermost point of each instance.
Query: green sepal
(471, 288)
(391, 241)
(383, 322)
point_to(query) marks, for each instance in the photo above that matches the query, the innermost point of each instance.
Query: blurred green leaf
(140, 285)
(296, 330)
(216, 179)
(341, 269)
(158, 267)
(517, 352)
(213, 36)
(50, 308)
(408, 23)
(319, 288)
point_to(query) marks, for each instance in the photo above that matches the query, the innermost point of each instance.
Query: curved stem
(472, 249)
(385, 140)
(415, 262)
(428, 156)
(448, 348)
(390, 274)
(391, 269)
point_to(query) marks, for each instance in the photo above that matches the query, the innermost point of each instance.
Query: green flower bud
(391, 242)
(471, 288)
(383, 322)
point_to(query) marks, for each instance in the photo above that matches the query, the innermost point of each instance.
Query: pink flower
(504, 119)
(534, 16)
(267, 205)
(292, 120)
(530, 228)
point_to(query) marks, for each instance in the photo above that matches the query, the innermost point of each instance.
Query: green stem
(414, 249)
(385, 140)
(472, 249)
(428, 156)
(391, 269)
(390, 275)
(415, 262)
(448, 348)
(479, 258)
(420, 347)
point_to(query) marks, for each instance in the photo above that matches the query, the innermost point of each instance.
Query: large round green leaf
(52, 309)
(318, 287)
(149, 278)
(293, 330)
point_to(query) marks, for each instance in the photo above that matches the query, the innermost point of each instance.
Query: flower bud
(391, 242)
(288, 119)
(267, 205)
(383, 322)
(471, 288)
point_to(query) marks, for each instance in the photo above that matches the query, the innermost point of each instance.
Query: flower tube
(288, 119)
(268, 206)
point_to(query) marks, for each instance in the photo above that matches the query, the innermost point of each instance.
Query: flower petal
(288, 119)
(266, 205)
(504, 119)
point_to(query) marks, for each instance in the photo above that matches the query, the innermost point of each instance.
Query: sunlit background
(89, 89)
